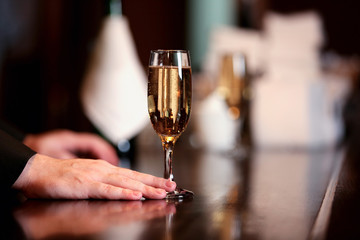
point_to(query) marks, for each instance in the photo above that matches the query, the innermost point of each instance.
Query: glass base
(180, 193)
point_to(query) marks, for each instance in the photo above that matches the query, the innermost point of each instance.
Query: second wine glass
(234, 87)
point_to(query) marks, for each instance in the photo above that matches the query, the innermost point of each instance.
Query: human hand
(67, 144)
(46, 177)
(44, 219)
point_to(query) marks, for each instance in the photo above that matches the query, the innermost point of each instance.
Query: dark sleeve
(13, 158)
(11, 130)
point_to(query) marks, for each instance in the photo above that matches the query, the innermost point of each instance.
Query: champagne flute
(169, 103)
(234, 87)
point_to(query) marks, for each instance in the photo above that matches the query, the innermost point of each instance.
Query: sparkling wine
(169, 100)
(233, 84)
(169, 104)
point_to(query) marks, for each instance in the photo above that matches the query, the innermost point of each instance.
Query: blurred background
(45, 46)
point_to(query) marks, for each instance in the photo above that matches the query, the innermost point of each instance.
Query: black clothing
(13, 155)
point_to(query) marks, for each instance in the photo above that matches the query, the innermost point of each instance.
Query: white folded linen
(215, 129)
(226, 39)
(114, 88)
(295, 114)
(293, 104)
(303, 28)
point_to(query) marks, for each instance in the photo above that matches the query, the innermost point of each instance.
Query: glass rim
(169, 51)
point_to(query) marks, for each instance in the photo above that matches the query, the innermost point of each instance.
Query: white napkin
(214, 128)
(294, 104)
(294, 114)
(304, 28)
(226, 39)
(114, 89)
(293, 42)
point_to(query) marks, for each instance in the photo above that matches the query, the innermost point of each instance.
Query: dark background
(45, 46)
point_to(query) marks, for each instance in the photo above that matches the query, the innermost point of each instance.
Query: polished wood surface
(274, 194)
(345, 210)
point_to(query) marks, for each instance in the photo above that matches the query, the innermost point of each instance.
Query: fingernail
(170, 184)
(161, 191)
(137, 194)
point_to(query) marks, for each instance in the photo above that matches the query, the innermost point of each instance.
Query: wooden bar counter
(273, 194)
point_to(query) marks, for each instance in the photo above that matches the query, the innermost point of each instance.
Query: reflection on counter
(43, 219)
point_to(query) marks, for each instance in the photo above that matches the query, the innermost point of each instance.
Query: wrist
(29, 140)
(29, 177)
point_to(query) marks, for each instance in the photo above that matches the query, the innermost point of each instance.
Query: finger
(97, 147)
(102, 150)
(63, 155)
(128, 183)
(99, 190)
(148, 179)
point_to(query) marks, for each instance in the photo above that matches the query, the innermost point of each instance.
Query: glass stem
(168, 151)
